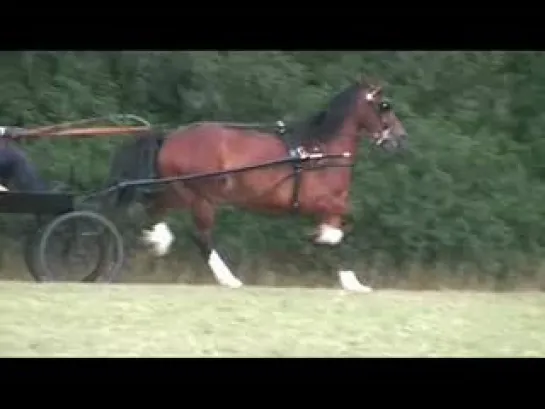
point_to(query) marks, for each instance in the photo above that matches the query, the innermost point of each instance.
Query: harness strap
(297, 171)
(298, 153)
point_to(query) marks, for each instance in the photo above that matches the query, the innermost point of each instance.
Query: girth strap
(296, 152)
(297, 172)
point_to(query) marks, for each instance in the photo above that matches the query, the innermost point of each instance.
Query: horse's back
(208, 147)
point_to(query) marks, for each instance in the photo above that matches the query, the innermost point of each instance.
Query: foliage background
(468, 197)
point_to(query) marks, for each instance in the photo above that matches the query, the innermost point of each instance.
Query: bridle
(383, 106)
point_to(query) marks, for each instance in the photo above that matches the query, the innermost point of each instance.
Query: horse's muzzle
(393, 144)
(403, 142)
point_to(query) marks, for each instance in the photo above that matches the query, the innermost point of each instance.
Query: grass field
(187, 321)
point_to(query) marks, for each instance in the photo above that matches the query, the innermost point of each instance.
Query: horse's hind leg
(158, 236)
(203, 217)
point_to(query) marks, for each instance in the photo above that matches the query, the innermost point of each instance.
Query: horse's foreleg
(203, 217)
(330, 233)
(347, 278)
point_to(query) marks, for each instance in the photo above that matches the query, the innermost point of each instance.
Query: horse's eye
(385, 106)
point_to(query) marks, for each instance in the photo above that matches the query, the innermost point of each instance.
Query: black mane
(324, 125)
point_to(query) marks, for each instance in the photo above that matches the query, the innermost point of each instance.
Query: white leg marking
(329, 235)
(349, 282)
(222, 272)
(3, 188)
(160, 238)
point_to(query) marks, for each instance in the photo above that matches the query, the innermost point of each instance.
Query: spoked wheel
(79, 246)
(30, 252)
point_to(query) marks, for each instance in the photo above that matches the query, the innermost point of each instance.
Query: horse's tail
(134, 160)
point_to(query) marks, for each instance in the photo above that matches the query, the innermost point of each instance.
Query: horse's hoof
(349, 282)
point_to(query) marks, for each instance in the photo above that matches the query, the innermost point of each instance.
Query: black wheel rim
(80, 246)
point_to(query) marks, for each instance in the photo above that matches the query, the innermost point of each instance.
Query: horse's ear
(370, 82)
(365, 81)
(373, 93)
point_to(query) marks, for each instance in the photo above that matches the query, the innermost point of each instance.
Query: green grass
(188, 321)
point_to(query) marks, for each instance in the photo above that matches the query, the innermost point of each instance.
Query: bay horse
(316, 187)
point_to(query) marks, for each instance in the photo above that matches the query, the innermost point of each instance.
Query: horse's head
(377, 116)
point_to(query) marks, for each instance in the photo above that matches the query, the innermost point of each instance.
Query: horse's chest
(227, 184)
(325, 176)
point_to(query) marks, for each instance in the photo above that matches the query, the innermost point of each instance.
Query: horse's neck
(345, 142)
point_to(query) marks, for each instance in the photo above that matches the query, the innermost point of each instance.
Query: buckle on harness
(300, 153)
(281, 127)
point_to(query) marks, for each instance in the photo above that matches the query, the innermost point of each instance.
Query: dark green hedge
(469, 191)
